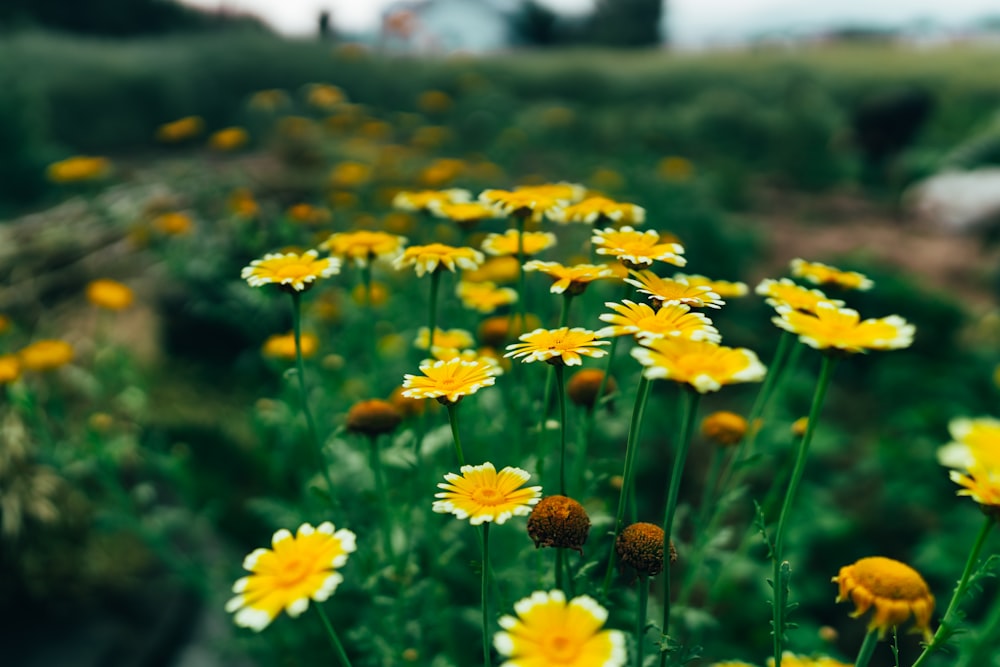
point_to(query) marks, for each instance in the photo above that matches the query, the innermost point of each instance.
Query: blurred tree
(627, 23)
(534, 24)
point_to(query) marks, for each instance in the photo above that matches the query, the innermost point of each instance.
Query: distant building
(447, 26)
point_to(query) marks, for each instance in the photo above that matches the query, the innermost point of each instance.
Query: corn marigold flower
(830, 327)
(45, 355)
(242, 203)
(791, 660)
(79, 168)
(894, 589)
(466, 214)
(640, 547)
(373, 417)
(563, 346)
(484, 355)
(548, 630)
(635, 249)
(507, 243)
(822, 274)
(438, 256)
(704, 365)
(427, 200)
(569, 278)
(484, 297)
(799, 426)
(784, 292)
(724, 427)
(449, 381)
(282, 346)
(669, 291)
(364, 246)
(109, 294)
(10, 368)
(559, 521)
(525, 204)
(455, 339)
(350, 175)
(173, 223)
(181, 129)
(297, 568)
(593, 210)
(228, 139)
(582, 386)
(482, 494)
(974, 459)
(308, 214)
(724, 288)
(641, 321)
(291, 271)
(562, 191)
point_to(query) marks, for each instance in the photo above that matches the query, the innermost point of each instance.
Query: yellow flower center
(293, 571)
(560, 649)
(487, 496)
(889, 579)
(292, 271)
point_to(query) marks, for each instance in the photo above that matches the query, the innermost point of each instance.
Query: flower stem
(338, 648)
(485, 593)
(626, 293)
(689, 407)
(432, 316)
(376, 464)
(640, 619)
(945, 629)
(867, 649)
(453, 420)
(366, 277)
(521, 292)
(825, 375)
(560, 556)
(631, 445)
(550, 373)
(561, 396)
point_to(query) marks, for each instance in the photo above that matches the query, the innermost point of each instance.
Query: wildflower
(408, 407)
(725, 428)
(173, 223)
(455, 339)
(640, 547)
(426, 200)
(308, 214)
(482, 494)
(550, 631)
(724, 288)
(242, 203)
(228, 139)
(558, 521)
(569, 193)
(485, 355)
(799, 426)
(10, 368)
(296, 569)
(350, 175)
(79, 168)
(282, 346)
(109, 294)
(784, 292)
(895, 590)
(572, 278)
(324, 96)
(821, 274)
(641, 321)
(364, 246)
(45, 355)
(484, 297)
(442, 171)
(836, 328)
(974, 459)
(531, 243)
(466, 214)
(636, 249)
(449, 381)
(668, 291)
(792, 660)
(557, 346)
(583, 386)
(523, 204)
(290, 271)
(435, 256)
(180, 129)
(373, 417)
(704, 365)
(601, 210)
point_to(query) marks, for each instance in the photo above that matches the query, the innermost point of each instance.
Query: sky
(692, 21)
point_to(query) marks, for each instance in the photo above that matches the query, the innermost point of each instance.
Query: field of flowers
(432, 383)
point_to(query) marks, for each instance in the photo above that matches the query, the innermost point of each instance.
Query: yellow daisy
(784, 292)
(704, 365)
(228, 139)
(45, 355)
(549, 631)
(481, 494)
(109, 294)
(484, 297)
(569, 193)
(426, 200)
(572, 278)
(290, 271)
(601, 210)
(836, 328)
(295, 570)
(895, 589)
(506, 244)
(641, 321)
(10, 368)
(485, 355)
(724, 288)
(438, 256)
(521, 203)
(464, 213)
(974, 458)
(282, 346)
(822, 274)
(792, 660)
(78, 168)
(455, 339)
(449, 381)
(670, 291)
(364, 246)
(495, 269)
(554, 346)
(636, 249)
(180, 129)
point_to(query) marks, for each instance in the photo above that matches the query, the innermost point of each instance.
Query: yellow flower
(441, 171)
(324, 96)
(173, 223)
(109, 294)
(282, 346)
(242, 203)
(455, 339)
(495, 269)
(895, 589)
(449, 381)
(784, 292)
(507, 243)
(180, 129)
(836, 328)
(637, 249)
(822, 274)
(228, 139)
(557, 346)
(568, 193)
(724, 288)
(548, 631)
(349, 175)
(641, 321)
(308, 214)
(724, 427)
(521, 203)
(572, 278)
(290, 270)
(670, 291)
(296, 569)
(464, 213)
(364, 246)
(10, 368)
(45, 355)
(675, 168)
(482, 494)
(79, 168)
(739, 663)
(377, 294)
(792, 660)
(484, 297)
(974, 458)
(601, 210)
(424, 200)
(373, 417)
(485, 355)
(704, 365)
(437, 256)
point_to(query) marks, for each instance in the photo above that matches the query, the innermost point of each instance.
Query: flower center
(560, 648)
(487, 496)
(292, 271)
(293, 570)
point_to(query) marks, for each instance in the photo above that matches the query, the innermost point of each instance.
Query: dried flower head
(582, 387)
(373, 417)
(723, 427)
(640, 547)
(558, 521)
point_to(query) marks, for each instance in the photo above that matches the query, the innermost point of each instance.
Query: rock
(958, 201)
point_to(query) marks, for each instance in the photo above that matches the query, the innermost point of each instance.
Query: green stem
(376, 464)
(631, 446)
(626, 293)
(366, 277)
(640, 619)
(707, 510)
(945, 629)
(984, 642)
(550, 373)
(825, 375)
(338, 648)
(521, 291)
(432, 315)
(867, 649)
(485, 593)
(689, 407)
(453, 420)
(561, 396)
(560, 556)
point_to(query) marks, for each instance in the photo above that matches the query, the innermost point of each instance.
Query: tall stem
(640, 619)
(626, 292)
(550, 373)
(867, 649)
(453, 420)
(432, 315)
(338, 648)
(366, 277)
(376, 465)
(561, 395)
(485, 593)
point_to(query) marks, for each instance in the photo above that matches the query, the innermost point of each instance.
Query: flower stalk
(338, 648)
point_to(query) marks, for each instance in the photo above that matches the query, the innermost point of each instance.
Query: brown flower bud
(558, 521)
(724, 428)
(582, 388)
(373, 417)
(640, 547)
